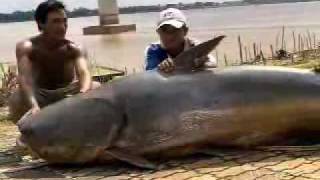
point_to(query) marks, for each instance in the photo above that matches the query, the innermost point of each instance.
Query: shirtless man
(50, 66)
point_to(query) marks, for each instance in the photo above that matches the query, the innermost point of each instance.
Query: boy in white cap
(172, 29)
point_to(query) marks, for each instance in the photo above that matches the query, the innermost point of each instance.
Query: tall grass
(8, 76)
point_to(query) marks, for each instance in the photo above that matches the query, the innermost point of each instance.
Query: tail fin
(185, 60)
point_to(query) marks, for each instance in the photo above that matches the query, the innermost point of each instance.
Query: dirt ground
(296, 163)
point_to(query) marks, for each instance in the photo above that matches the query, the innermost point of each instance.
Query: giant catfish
(154, 115)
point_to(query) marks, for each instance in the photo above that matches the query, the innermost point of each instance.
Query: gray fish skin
(150, 115)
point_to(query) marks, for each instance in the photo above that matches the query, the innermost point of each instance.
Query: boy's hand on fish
(167, 66)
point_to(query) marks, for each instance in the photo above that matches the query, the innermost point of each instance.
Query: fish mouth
(23, 148)
(24, 126)
(21, 145)
(66, 155)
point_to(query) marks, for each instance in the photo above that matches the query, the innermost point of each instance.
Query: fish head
(74, 130)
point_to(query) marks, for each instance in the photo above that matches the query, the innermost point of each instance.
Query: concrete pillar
(108, 12)
(109, 20)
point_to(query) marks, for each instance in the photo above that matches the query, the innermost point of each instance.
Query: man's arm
(23, 49)
(153, 60)
(82, 71)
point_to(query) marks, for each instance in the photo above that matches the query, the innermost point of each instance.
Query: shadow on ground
(221, 164)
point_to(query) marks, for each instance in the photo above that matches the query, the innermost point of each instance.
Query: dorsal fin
(186, 59)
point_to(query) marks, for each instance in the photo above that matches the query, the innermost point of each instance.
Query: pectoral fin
(130, 158)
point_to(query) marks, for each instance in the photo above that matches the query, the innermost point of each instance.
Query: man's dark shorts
(19, 105)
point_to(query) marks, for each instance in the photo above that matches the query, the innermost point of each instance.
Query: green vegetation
(100, 71)
(311, 64)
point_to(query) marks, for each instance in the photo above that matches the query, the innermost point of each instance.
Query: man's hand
(167, 66)
(84, 90)
(35, 110)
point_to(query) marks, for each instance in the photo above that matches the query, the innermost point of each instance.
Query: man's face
(56, 25)
(171, 37)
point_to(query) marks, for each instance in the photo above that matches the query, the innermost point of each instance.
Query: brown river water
(256, 23)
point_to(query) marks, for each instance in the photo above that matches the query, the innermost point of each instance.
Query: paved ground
(277, 163)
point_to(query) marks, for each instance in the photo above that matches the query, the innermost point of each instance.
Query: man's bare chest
(45, 57)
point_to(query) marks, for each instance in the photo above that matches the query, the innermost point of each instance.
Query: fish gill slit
(123, 125)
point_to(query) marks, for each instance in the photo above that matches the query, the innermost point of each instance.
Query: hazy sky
(14, 5)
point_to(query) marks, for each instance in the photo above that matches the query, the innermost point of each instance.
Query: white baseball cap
(173, 17)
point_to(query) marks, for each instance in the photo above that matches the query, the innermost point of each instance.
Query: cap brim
(172, 22)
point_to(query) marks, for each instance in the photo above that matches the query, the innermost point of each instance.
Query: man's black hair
(44, 8)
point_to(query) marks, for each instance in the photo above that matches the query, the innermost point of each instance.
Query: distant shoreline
(22, 16)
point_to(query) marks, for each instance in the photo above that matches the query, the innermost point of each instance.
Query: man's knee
(18, 106)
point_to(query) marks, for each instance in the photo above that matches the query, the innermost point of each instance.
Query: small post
(246, 53)
(294, 41)
(254, 52)
(250, 57)
(299, 43)
(307, 42)
(282, 39)
(225, 60)
(277, 41)
(314, 45)
(314, 41)
(309, 38)
(302, 48)
(125, 71)
(262, 58)
(240, 50)
(217, 56)
(272, 52)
